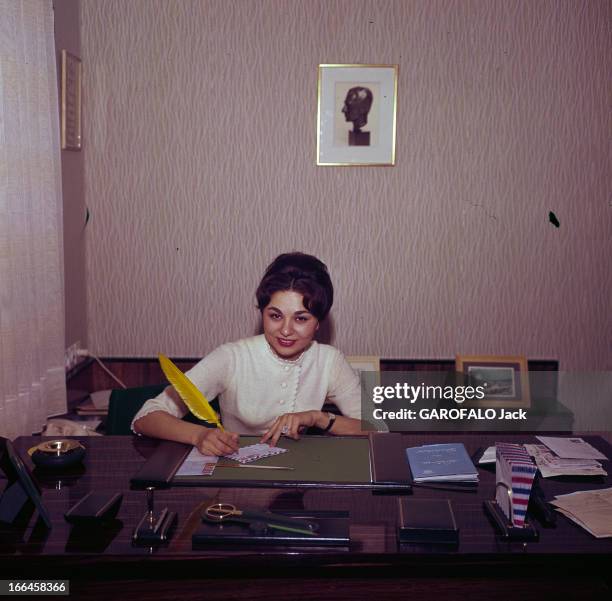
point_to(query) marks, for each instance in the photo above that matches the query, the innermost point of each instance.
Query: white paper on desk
(591, 509)
(488, 456)
(550, 465)
(571, 448)
(194, 464)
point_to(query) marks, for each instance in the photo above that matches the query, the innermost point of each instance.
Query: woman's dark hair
(304, 274)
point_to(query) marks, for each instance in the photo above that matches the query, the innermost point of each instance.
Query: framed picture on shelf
(361, 363)
(356, 115)
(505, 379)
(367, 368)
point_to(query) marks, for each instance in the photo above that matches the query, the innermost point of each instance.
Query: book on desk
(447, 462)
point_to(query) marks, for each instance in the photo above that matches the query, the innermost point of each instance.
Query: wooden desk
(567, 563)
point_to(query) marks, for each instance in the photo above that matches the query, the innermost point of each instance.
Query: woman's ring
(285, 430)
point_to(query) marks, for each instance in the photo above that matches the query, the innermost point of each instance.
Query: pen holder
(505, 528)
(153, 530)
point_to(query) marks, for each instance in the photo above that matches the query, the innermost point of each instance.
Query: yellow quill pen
(193, 398)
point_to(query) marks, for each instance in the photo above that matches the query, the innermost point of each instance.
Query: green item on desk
(260, 467)
(317, 459)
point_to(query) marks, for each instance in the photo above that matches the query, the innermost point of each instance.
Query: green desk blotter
(316, 459)
(376, 462)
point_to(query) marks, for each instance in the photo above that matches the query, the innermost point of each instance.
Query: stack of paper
(441, 463)
(550, 465)
(591, 509)
(571, 448)
(515, 471)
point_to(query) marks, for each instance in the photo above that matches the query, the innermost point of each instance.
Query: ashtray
(57, 454)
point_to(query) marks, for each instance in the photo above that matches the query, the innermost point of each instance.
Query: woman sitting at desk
(273, 384)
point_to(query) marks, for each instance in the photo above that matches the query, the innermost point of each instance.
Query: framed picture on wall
(356, 115)
(505, 379)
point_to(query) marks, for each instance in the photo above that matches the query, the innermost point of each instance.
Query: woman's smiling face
(288, 326)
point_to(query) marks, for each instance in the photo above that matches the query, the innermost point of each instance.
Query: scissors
(226, 512)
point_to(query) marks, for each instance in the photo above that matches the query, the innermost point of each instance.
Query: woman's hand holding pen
(291, 424)
(213, 441)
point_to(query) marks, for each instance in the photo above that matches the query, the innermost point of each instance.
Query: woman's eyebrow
(300, 312)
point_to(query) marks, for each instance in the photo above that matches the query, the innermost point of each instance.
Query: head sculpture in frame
(357, 105)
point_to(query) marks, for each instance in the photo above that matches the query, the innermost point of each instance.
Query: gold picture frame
(367, 364)
(71, 74)
(361, 363)
(356, 115)
(505, 378)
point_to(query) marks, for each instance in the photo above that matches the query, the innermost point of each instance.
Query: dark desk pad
(376, 462)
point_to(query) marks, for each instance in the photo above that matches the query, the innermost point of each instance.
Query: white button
(284, 385)
(281, 402)
(286, 368)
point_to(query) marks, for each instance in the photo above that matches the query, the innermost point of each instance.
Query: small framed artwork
(71, 102)
(367, 368)
(369, 364)
(356, 115)
(361, 363)
(505, 379)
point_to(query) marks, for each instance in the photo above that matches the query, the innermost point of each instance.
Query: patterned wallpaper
(200, 121)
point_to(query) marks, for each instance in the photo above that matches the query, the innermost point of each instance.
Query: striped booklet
(514, 475)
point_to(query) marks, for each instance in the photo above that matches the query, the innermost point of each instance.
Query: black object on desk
(57, 454)
(21, 487)
(427, 521)
(539, 507)
(94, 509)
(154, 530)
(527, 533)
